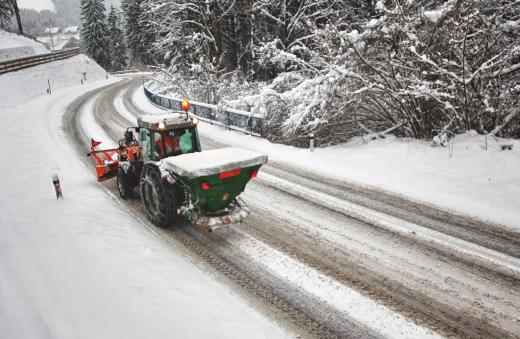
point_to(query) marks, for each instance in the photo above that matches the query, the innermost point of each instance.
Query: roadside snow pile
(18, 87)
(14, 46)
(475, 181)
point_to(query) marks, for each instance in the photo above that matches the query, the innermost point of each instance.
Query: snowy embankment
(18, 87)
(82, 267)
(14, 46)
(474, 181)
(478, 180)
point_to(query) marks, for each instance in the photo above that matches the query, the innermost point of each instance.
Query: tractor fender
(165, 174)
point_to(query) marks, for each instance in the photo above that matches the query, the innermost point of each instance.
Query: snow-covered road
(320, 246)
(82, 267)
(318, 257)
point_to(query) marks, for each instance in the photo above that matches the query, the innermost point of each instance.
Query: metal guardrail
(18, 64)
(231, 119)
(125, 71)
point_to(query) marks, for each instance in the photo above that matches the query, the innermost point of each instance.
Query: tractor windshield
(174, 142)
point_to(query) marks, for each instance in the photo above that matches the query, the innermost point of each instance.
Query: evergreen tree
(94, 32)
(133, 30)
(116, 41)
(148, 32)
(6, 12)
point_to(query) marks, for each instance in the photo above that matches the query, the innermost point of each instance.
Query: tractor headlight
(194, 120)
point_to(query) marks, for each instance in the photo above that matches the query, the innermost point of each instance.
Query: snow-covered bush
(439, 65)
(339, 69)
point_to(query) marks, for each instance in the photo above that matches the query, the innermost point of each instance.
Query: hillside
(13, 46)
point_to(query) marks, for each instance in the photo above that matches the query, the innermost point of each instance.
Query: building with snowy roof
(53, 30)
(71, 30)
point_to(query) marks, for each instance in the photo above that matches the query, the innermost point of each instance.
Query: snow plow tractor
(174, 176)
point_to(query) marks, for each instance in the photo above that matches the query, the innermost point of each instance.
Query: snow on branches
(340, 68)
(94, 41)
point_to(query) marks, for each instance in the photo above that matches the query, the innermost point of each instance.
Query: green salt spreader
(174, 176)
(213, 181)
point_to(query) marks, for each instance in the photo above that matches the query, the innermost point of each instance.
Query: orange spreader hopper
(107, 160)
(106, 163)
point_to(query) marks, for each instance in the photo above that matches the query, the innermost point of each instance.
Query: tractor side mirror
(137, 129)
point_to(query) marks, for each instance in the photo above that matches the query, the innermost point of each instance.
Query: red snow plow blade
(107, 161)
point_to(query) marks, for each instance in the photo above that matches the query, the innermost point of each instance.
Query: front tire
(158, 197)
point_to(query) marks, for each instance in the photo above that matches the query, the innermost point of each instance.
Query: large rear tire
(124, 185)
(158, 197)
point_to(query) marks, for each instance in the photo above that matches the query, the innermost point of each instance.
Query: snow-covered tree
(290, 34)
(116, 38)
(6, 12)
(341, 68)
(94, 41)
(139, 34)
(435, 65)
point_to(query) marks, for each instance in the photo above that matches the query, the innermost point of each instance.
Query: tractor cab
(163, 136)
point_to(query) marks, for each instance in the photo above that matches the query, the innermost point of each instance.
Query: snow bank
(82, 266)
(18, 87)
(14, 46)
(475, 181)
(199, 164)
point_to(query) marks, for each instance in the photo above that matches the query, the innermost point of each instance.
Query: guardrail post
(228, 120)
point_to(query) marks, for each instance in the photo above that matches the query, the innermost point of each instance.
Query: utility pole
(17, 13)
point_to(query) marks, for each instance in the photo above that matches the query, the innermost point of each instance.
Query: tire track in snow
(453, 316)
(295, 310)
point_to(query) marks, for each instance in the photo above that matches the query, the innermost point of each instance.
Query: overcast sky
(41, 5)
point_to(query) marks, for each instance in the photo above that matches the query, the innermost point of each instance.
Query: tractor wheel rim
(151, 197)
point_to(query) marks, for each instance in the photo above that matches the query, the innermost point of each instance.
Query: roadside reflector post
(49, 83)
(85, 76)
(311, 142)
(57, 187)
